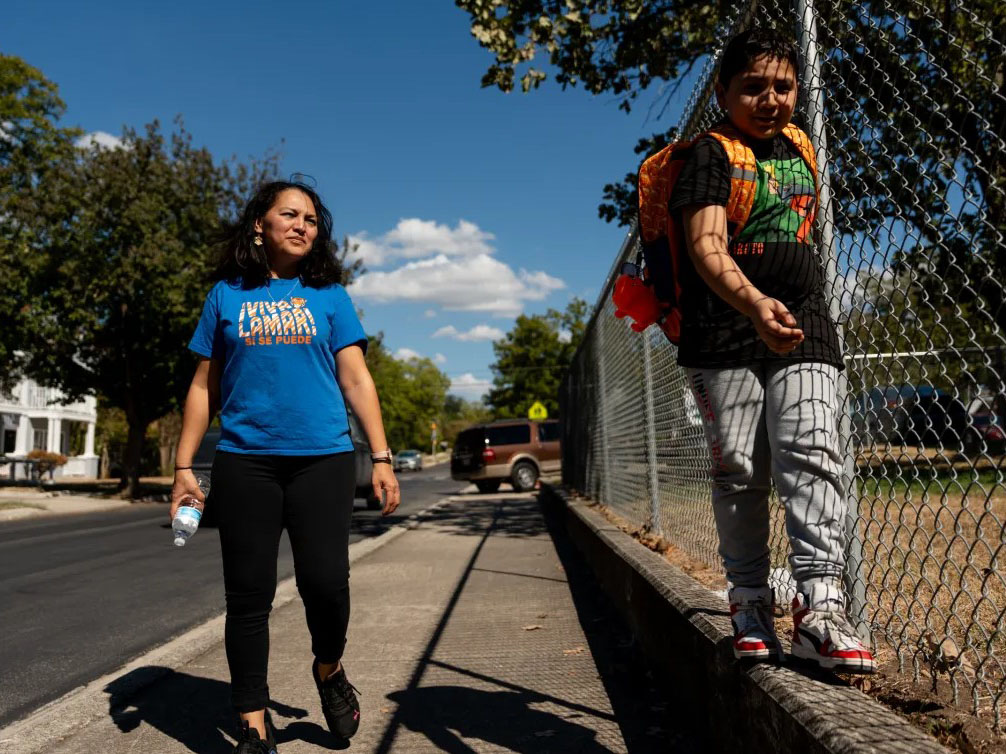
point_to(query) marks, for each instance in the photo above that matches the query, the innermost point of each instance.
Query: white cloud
(565, 336)
(439, 358)
(430, 313)
(480, 283)
(469, 386)
(479, 332)
(414, 238)
(404, 354)
(99, 138)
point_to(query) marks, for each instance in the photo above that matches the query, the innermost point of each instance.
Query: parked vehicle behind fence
(930, 417)
(515, 450)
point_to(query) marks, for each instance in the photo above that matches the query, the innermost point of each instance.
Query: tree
(30, 143)
(412, 393)
(532, 358)
(915, 99)
(459, 414)
(122, 249)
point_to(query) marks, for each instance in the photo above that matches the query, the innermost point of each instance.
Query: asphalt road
(81, 595)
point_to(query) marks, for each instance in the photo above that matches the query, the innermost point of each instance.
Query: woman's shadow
(197, 711)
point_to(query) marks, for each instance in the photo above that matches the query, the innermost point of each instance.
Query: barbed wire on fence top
(915, 123)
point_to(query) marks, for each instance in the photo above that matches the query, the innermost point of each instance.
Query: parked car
(927, 416)
(517, 450)
(411, 460)
(202, 463)
(986, 429)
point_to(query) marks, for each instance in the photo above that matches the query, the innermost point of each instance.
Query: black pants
(254, 497)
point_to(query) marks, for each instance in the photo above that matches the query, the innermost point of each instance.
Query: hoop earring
(257, 240)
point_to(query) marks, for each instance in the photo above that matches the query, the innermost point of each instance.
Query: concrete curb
(74, 710)
(685, 629)
(57, 505)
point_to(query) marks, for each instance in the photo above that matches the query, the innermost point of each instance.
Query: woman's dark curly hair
(241, 260)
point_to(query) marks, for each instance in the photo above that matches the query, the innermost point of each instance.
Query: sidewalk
(43, 503)
(464, 637)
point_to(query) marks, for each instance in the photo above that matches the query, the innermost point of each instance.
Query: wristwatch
(383, 456)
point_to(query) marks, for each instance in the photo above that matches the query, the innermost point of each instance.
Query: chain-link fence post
(651, 433)
(855, 585)
(603, 416)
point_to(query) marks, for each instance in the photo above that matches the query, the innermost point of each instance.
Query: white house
(31, 418)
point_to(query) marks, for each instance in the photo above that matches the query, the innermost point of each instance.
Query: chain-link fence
(904, 102)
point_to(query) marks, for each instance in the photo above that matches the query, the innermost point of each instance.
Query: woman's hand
(775, 325)
(386, 486)
(185, 484)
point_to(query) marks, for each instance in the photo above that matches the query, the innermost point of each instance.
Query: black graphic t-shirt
(775, 250)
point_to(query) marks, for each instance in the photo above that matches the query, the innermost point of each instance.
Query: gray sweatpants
(775, 421)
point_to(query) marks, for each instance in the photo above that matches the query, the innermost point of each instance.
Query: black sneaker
(252, 743)
(338, 702)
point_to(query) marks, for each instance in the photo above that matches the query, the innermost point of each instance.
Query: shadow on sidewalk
(197, 711)
(653, 712)
(485, 515)
(447, 714)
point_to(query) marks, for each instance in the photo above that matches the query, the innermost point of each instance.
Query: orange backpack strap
(743, 175)
(804, 146)
(806, 149)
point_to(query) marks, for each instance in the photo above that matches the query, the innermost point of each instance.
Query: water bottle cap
(179, 541)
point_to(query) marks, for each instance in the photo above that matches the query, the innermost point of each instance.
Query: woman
(282, 351)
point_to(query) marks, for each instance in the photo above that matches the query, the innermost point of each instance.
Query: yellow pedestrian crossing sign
(537, 411)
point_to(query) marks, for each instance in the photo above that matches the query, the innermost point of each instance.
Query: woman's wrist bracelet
(381, 460)
(183, 468)
(381, 455)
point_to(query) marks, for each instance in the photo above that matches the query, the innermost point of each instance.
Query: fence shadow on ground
(452, 716)
(511, 517)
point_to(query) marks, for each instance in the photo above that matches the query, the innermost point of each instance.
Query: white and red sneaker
(823, 634)
(751, 612)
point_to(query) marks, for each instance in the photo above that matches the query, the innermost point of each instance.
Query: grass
(934, 546)
(918, 481)
(932, 539)
(933, 530)
(7, 505)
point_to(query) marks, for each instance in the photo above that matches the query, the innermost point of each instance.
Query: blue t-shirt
(278, 388)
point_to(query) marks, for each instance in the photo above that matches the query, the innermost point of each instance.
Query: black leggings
(254, 497)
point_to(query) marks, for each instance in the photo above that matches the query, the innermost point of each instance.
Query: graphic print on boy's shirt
(784, 205)
(266, 323)
(775, 251)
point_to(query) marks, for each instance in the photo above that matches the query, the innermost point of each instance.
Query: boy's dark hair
(241, 260)
(752, 44)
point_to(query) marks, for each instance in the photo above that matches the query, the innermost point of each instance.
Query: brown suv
(515, 450)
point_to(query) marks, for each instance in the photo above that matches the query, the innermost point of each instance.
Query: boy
(763, 357)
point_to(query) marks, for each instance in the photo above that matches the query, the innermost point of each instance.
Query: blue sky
(471, 206)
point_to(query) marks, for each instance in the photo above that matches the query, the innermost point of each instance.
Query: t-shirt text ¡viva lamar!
(279, 393)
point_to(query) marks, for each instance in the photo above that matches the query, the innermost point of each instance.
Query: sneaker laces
(761, 615)
(835, 625)
(339, 689)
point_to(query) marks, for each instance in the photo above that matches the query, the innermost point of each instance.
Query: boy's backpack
(650, 293)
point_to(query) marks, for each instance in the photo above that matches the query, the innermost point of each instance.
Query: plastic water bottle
(189, 513)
